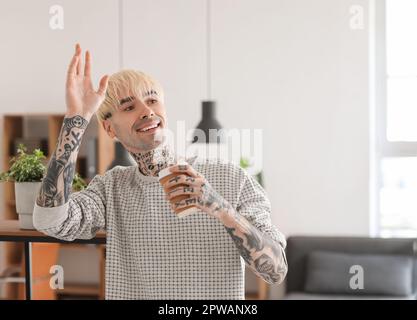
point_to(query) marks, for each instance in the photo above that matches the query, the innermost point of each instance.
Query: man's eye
(128, 108)
(152, 101)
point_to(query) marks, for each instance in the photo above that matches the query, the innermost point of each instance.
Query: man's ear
(107, 126)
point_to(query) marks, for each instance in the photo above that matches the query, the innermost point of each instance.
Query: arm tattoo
(263, 255)
(264, 265)
(56, 185)
(245, 253)
(211, 198)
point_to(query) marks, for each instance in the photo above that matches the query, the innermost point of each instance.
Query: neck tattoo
(151, 162)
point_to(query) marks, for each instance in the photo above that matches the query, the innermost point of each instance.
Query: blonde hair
(136, 83)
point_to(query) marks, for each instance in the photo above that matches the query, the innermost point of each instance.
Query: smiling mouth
(150, 128)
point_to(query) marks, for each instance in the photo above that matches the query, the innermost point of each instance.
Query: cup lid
(166, 172)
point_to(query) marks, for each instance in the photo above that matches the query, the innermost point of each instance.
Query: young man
(152, 253)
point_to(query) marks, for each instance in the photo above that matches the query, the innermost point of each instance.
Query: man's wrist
(225, 213)
(85, 116)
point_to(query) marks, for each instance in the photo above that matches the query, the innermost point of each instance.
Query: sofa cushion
(317, 296)
(334, 273)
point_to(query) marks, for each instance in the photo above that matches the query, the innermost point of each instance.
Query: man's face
(133, 121)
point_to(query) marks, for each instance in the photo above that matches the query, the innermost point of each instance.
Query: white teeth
(148, 128)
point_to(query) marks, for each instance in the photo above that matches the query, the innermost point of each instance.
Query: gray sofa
(351, 268)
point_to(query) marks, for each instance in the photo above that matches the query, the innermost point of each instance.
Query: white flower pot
(26, 194)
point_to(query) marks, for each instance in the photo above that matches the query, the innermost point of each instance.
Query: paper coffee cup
(164, 176)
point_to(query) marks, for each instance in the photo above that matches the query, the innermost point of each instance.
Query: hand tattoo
(198, 189)
(212, 200)
(264, 255)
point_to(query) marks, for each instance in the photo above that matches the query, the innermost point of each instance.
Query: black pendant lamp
(209, 121)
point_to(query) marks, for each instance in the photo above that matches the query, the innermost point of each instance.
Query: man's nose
(146, 112)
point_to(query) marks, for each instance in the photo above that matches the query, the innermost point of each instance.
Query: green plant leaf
(244, 163)
(25, 167)
(78, 183)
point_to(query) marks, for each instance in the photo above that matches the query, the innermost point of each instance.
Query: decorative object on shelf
(91, 161)
(27, 171)
(246, 164)
(78, 183)
(31, 145)
(121, 157)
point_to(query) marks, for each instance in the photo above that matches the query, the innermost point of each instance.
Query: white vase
(26, 194)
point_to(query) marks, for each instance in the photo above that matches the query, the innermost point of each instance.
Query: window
(396, 107)
(398, 197)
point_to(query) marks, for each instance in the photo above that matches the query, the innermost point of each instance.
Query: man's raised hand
(81, 98)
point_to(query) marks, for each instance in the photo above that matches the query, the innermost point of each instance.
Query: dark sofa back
(298, 248)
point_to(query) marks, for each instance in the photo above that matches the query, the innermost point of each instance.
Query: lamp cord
(208, 48)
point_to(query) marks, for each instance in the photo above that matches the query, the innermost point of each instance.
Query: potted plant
(27, 172)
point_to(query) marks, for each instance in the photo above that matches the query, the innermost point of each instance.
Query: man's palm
(81, 98)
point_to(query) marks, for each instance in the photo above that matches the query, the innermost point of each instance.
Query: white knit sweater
(151, 253)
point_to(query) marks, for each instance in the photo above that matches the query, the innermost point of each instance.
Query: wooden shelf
(14, 128)
(80, 290)
(76, 246)
(251, 296)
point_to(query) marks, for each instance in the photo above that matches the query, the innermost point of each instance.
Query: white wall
(166, 39)
(291, 67)
(296, 69)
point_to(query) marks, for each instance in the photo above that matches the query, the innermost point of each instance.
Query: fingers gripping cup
(164, 176)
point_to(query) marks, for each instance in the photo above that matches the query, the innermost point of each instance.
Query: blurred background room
(331, 84)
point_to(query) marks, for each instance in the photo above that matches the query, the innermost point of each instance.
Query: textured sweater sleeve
(255, 206)
(79, 218)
